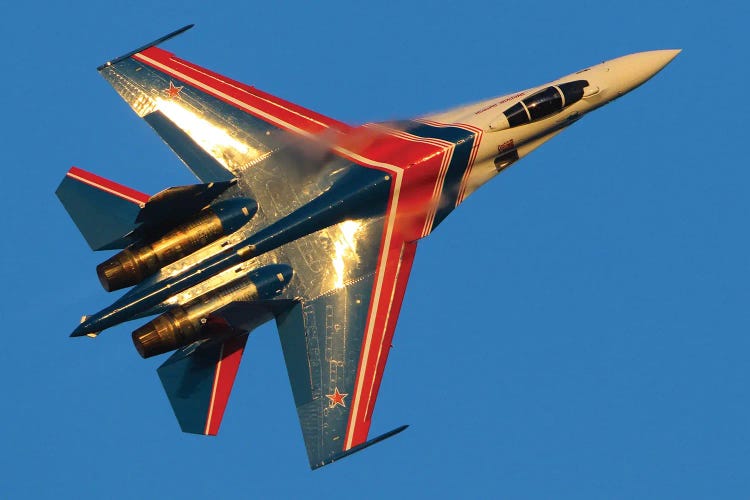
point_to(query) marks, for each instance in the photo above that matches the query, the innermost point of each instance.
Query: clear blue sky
(578, 329)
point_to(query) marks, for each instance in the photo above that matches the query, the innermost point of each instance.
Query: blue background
(578, 329)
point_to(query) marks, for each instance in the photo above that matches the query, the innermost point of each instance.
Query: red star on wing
(173, 91)
(336, 398)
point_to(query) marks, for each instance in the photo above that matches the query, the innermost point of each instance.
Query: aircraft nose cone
(629, 72)
(84, 328)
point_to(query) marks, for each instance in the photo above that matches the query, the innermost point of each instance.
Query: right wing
(336, 345)
(219, 127)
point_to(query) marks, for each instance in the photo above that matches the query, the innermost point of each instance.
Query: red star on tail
(336, 398)
(173, 91)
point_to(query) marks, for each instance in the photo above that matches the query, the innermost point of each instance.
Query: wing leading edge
(217, 126)
(335, 347)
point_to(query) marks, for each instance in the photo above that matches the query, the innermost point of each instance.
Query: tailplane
(104, 211)
(198, 380)
(112, 216)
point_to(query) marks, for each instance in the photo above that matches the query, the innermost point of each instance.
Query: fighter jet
(297, 218)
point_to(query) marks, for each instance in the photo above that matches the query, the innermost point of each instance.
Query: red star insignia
(173, 91)
(336, 398)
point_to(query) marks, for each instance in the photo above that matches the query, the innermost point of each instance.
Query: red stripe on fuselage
(103, 184)
(465, 179)
(474, 150)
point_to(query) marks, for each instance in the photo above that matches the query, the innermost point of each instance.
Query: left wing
(336, 346)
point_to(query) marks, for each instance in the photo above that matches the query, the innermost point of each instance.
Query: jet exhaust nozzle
(188, 323)
(165, 333)
(135, 263)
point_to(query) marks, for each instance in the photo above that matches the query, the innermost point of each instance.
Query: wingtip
(144, 47)
(360, 447)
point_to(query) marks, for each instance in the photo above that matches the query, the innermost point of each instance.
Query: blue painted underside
(322, 360)
(103, 219)
(188, 378)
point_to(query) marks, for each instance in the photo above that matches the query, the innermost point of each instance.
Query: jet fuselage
(481, 139)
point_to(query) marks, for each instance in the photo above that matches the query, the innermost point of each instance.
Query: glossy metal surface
(184, 324)
(342, 206)
(143, 259)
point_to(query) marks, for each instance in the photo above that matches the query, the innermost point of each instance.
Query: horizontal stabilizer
(360, 447)
(198, 380)
(104, 211)
(112, 216)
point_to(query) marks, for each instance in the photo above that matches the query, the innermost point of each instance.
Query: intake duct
(140, 260)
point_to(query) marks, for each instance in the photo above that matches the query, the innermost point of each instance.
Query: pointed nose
(628, 72)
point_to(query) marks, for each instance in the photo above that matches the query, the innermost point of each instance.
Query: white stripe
(213, 391)
(406, 135)
(479, 133)
(266, 116)
(444, 147)
(386, 242)
(469, 168)
(106, 189)
(192, 67)
(376, 300)
(441, 181)
(435, 201)
(387, 318)
(270, 118)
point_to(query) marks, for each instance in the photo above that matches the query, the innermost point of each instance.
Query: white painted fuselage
(502, 144)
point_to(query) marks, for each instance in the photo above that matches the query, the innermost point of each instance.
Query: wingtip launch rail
(146, 46)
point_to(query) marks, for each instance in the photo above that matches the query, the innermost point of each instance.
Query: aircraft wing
(336, 346)
(349, 279)
(217, 126)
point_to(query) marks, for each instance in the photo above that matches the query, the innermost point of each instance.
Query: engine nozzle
(138, 261)
(185, 324)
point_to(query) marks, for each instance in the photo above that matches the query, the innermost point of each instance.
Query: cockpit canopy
(545, 102)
